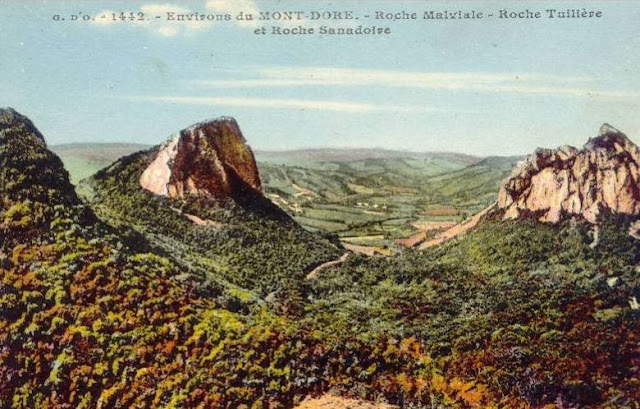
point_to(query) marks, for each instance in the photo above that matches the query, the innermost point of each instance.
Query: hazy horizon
(286, 150)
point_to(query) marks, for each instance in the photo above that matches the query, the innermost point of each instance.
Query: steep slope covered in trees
(86, 322)
(233, 234)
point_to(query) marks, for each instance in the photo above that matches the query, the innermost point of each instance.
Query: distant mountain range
(85, 159)
(302, 156)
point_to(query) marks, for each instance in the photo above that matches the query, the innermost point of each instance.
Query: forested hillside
(137, 300)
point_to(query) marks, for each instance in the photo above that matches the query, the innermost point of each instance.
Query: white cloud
(168, 31)
(257, 83)
(234, 7)
(162, 8)
(570, 92)
(160, 25)
(524, 83)
(300, 104)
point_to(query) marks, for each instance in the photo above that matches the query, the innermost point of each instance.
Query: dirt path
(203, 222)
(412, 240)
(458, 229)
(336, 402)
(316, 271)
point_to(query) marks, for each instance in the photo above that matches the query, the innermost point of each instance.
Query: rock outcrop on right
(552, 185)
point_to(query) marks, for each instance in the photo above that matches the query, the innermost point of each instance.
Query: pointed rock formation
(209, 158)
(552, 184)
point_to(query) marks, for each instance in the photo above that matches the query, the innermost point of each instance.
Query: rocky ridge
(28, 170)
(554, 184)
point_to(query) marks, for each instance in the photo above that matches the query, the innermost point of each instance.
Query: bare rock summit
(210, 158)
(568, 182)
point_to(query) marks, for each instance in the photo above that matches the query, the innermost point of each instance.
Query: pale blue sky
(480, 87)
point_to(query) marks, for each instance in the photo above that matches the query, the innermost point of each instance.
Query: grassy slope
(255, 245)
(383, 196)
(476, 183)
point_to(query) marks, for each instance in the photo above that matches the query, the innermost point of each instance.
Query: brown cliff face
(553, 184)
(210, 158)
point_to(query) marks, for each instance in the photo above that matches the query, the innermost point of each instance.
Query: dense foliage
(248, 241)
(524, 314)
(512, 315)
(87, 322)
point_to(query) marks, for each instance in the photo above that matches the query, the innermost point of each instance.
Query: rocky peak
(552, 184)
(612, 140)
(209, 158)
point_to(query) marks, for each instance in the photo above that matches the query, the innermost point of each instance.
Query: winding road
(316, 271)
